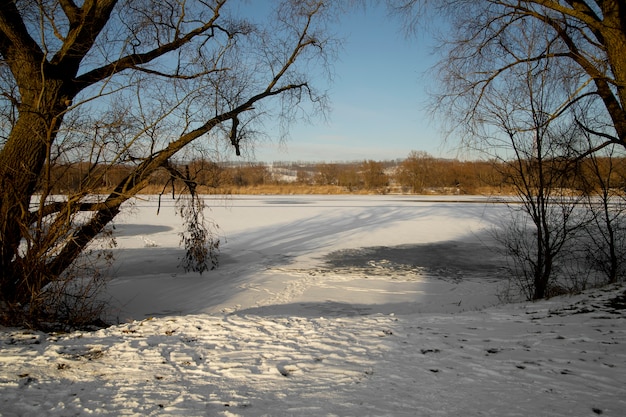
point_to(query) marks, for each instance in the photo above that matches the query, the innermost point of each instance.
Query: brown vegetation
(419, 173)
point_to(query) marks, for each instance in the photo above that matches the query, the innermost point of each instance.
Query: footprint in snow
(286, 369)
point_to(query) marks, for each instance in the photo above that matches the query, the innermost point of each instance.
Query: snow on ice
(324, 306)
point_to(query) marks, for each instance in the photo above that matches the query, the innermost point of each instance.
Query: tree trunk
(22, 160)
(617, 108)
(543, 278)
(615, 40)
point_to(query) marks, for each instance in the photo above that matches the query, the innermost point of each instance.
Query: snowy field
(324, 306)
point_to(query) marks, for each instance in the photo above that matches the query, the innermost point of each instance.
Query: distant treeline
(419, 173)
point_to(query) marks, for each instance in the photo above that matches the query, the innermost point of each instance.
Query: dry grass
(305, 189)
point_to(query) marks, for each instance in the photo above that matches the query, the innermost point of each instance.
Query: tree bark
(21, 163)
(614, 35)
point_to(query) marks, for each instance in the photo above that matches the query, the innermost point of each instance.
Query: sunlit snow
(324, 306)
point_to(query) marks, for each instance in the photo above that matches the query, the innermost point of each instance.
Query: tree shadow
(325, 309)
(468, 258)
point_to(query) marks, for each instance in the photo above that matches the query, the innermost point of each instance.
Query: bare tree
(417, 172)
(539, 237)
(582, 41)
(535, 149)
(374, 176)
(103, 84)
(527, 80)
(327, 174)
(603, 180)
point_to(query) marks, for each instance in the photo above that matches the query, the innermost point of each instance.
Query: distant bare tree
(327, 174)
(348, 176)
(416, 172)
(373, 174)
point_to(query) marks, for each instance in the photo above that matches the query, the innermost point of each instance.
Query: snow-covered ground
(324, 306)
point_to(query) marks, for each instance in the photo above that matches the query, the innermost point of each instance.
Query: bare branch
(138, 59)
(86, 23)
(71, 10)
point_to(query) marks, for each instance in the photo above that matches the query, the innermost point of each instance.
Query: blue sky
(378, 99)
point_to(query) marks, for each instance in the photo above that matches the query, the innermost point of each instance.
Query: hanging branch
(234, 139)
